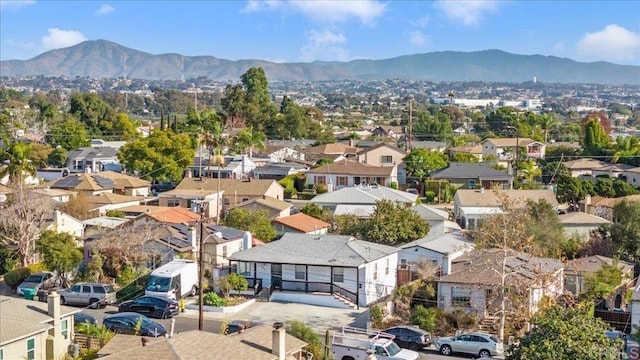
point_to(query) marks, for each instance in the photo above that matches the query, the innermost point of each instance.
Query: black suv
(410, 337)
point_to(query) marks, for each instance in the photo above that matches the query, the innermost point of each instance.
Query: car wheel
(194, 291)
(445, 350)
(484, 354)
(159, 314)
(413, 346)
(94, 303)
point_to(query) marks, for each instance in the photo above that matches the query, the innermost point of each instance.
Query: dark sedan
(82, 318)
(409, 337)
(152, 306)
(127, 323)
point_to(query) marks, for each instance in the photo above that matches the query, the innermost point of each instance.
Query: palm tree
(627, 149)
(18, 164)
(549, 121)
(529, 171)
(247, 139)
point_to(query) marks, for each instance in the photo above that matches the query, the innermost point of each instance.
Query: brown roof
(302, 222)
(254, 343)
(510, 142)
(251, 187)
(579, 217)
(377, 146)
(267, 201)
(349, 167)
(332, 148)
(591, 264)
(174, 215)
(124, 181)
(585, 164)
(111, 198)
(470, 149)
(491, 198)
(611, 202)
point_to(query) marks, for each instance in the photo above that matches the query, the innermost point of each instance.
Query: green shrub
(394, 185)
(376, 314)
(213, 299)
(425, 318)
(430, 196)
(301, 331)
(126, 276)
(13, 278)
(321, 189)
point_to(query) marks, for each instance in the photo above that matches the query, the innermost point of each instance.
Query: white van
(175, 279)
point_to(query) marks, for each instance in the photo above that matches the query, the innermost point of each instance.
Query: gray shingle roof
(430, 213)
(482, 171)
(366, 195)
(327, 250)
(442, 243)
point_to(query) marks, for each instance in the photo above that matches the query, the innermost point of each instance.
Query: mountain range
(106, 59)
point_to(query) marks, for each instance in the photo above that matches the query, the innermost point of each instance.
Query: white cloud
(324, 45)
(14, 4)
(469, 12)
(325, 11)
(423, 22)
(418, 38)
(612, 42)
(61, 38)
(105, 9)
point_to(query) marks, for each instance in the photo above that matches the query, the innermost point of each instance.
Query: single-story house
(35, 330)
(633, 176)
(278, 171)
(476, 276)
(280, 153)
(602, 206)
(126, 184)
(503, 149)
(272, 207)
(575, 270)
(306, 268)
(361, 199)
(440, 250)
(301, 223)
(472, 149)
(438, 219)
(581, 224)
(473, 175)
(473, 205)
(347, 173)
(103, 202)
(61, 222)
(85, 184)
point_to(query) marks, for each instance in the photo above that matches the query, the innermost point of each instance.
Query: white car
(474, 343)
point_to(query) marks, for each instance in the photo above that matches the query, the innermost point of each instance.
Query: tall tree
(20, 166)
(92, 111)
(163, 155)
(421, 162)
(260, 108)
(394, 224)
(247, 139)
(626, 230)
(234, 104)
(60, 252)
(596, 140)
(70, 134)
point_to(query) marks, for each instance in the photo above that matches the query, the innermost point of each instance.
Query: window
(386, 268)
(386, 159)
(472, 183)
(86, 289)
(227, 201)
(1, 354)
(338, 275)
(342, 181)
(319, 180)
(300, 272)
(375, 271)
(460, 297)
(173, 203)
(245, 199)
(224, 252)
(31, 349)
(403, 264)
(76, 288)
(64, 328)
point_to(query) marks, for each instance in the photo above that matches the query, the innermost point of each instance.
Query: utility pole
(201, 272)
(410, 123)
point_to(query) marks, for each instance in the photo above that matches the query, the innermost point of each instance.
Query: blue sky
(308, 30)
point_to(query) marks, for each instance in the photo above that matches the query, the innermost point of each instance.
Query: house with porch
(474, 175)
(476, 276)
(328, 270)
(347, 173)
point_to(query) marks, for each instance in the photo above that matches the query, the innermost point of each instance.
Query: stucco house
(381, 155)
(347, 173)
(278, 171)
(581, 224)
(438, 219)
(235, 167)
(469, 206)
(633, 176)
(272, 207)
(476, 275)
(35, 330)
(330, 151)
(361, 200)
(88, 184)
(280, 153)
(575, 271)
(472, 149)
(504, 149)
(473, 175)
(602, 206)
(62, 222)
(92, 159)
(329, 270)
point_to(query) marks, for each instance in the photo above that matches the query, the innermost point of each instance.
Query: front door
(276, 276)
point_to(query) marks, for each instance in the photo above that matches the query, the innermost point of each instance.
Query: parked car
(152, 306)
(94, 294)
(82, 318)
(125, 323)
(41, 280)
(474, 343)
(409, 337)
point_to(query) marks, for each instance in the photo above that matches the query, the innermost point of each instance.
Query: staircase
(344, 300)
(264, 295)
(489, 324)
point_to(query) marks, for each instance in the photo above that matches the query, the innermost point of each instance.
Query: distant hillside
(106, 59)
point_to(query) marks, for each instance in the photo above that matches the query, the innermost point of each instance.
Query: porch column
(331, 280)
(306, 278)
(255, 273)
(357, 288)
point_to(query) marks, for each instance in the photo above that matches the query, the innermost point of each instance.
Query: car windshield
(109, 288)
(393, 349)
(159, 284)
(33, 278)
(145, 321)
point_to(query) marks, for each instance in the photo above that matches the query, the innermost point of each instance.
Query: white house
(440, 250)
(64, 223)
(504, 148)
(361, 200)
(329, 270)
(347, 173)
(438, 219)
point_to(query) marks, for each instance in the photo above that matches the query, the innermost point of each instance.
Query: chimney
(246, 240)
(277, 341)
(192, 238)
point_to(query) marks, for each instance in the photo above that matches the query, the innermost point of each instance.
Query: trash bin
(29, 293)
(42, 295)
